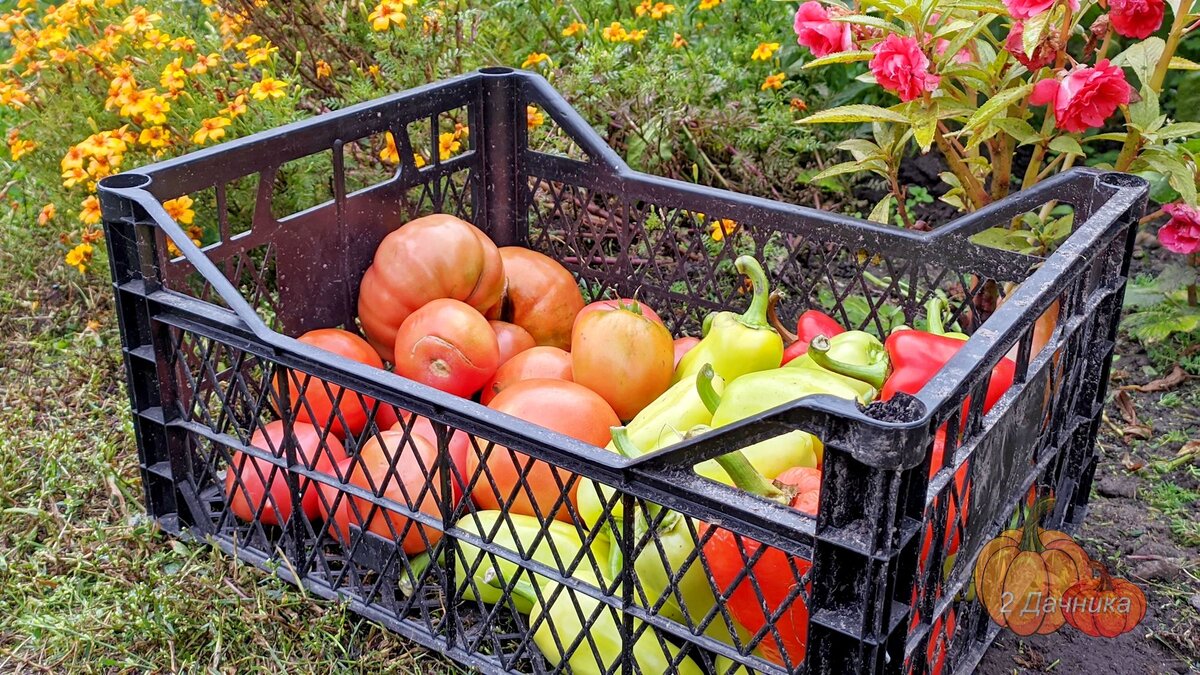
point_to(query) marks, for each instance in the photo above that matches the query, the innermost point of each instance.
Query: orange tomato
(625, 357)
(458, 444)
(542, 296)
(447, 345)
(311, 399)
(618, 304)
(512, 339)
(684, 345)
(531, 364)
(257, 487)
(562, 406)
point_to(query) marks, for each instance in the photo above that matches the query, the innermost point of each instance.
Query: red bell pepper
(917, 356)
(772, 576)
(810, 324)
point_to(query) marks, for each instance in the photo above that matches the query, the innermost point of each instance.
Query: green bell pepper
(737, 344)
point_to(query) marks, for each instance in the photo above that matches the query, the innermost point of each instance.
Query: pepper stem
(746, 477)
(1031, 539)
(417, 565)
(935, 323)
(873, 374)
(756, 314)
(623, 444)
(521, 588)
(704, 388)
(773, 318)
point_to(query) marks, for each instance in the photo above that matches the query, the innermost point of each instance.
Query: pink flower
(1085, 97)
(900, 66)
(1043, 55)
(963, 56)
(815, 30)
(1024, 9)
(1136, 18)
(1181, 234)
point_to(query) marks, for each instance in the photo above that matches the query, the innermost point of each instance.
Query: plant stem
(901, 199)
(974, 190)
(1173, 38)
(1191, 291)
(1133, 142)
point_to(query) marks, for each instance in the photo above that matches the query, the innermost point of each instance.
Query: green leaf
(861, 148)
(1066, 145)
(1178, 130)
(1145, 113)
(837, 170)
(962, 38)
(882, 213)
(842, 57)
(1118, 137)
(849, 114)
(1180, 63)
(924, 124)
(1142, 57)
(1035, 30)
(1179, 176)
(1018, 129)
(874, 22)
(992, 108)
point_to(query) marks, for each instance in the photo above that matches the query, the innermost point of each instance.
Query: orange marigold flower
(80, 256)
(656, 10)
(678, 42)
(573, 28)
(323, 69)
(74, 176)
(389, 13)
(47, 213)
(89, 211)
(180, 210)
(721, 228)
(122, 79)
(534, 59)
(203, 63)
(248, 42)
(448, 144)
(764, 51)
(390, 154)
(58, 55)
(90, 236)
(636, 35)
(533, 117)
(182, 44)
(236, 107)
(709, 4)
(13, 96)
(18, 146)
(211, 129)
(268, 87)
(615, 32)
(798, 104)
(155, 137)
(773, 81)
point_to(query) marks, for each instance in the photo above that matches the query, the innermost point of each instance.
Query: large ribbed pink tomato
(542, 296)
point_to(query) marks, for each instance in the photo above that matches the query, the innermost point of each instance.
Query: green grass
(86, 582)
(1179, 504)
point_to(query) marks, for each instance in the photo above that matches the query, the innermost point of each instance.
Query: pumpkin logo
(1033, 580)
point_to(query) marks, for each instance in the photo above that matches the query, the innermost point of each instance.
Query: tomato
(317, 405)
(559, 405)
(438, 256)
(618, 304)
(531, 364)
(625, 357)
(249, 480)
(543, 297)
(512, 339)
(413, 482)
(806, 483)
(448, 345)
(684, 345)
(459, 442)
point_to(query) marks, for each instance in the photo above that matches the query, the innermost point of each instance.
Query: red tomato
(438, 256)
(543, 297)
(531, 364)
(806, 481)
(625, 357)
(249, 480)
(684, 345)
(388, 466)
(316, 407)
(562, 406)
(512, 339)
(459, 442)
(448, 345)
(618, 304)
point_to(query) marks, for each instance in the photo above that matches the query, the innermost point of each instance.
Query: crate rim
(1034, 294)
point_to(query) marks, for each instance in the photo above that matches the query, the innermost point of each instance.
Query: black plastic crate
(208, 348)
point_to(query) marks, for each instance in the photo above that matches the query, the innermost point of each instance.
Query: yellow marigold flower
(764, 51)
(373, 71)
(248, 42)
(154, 109)
(236, 107)
(47, 214)
(211, 129)
(74, 176)
(721, 228)
(709, 4)
(80, 256)
(174, 77)
(573, 28)
(131, 101)
(182, 44)
(324, 70)
(387, 14)
(773, 81)
(390, 154)
(678, 42)
(636, 35)
(155, 137)
(260, 55)
(103, 166)
(448, 144)
(89, 212)
(122, 79)
(534, 59)
(13, 18)
(155, 39)
(268, 87)
(20, 147)
(419, 160)
(74, 158)
(533, 117)
(58, 55)
(656, 10)
(180, 210)
(615, 32)
(14, 96)
(203, 63)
